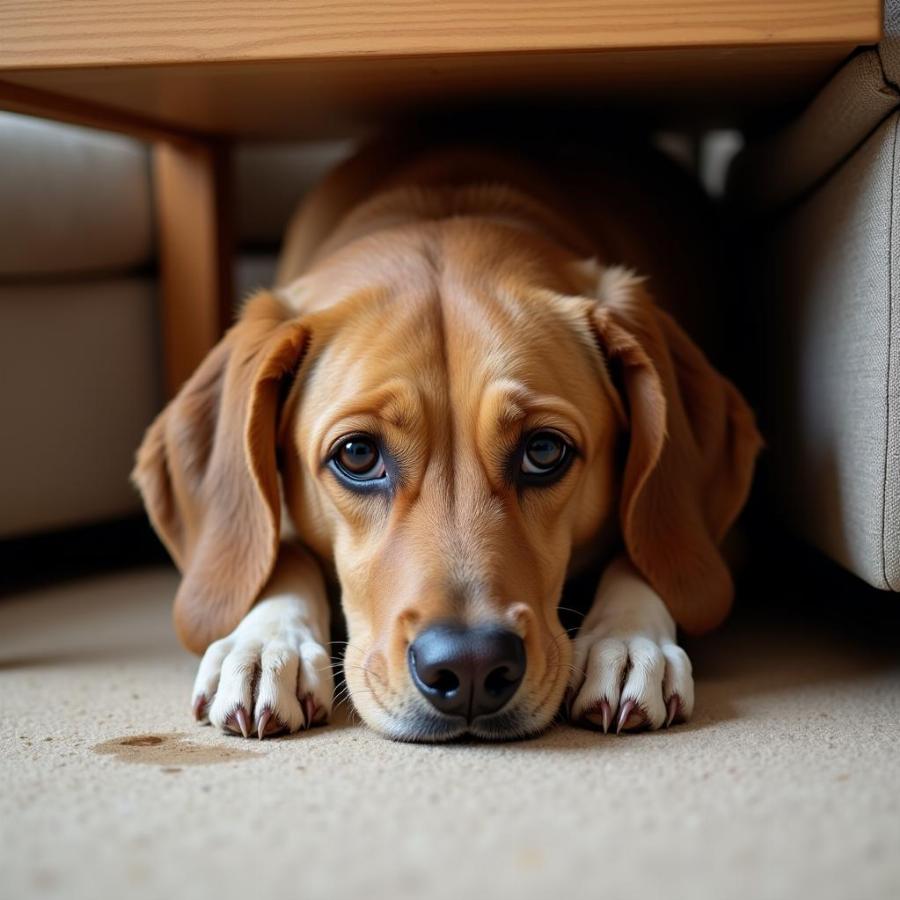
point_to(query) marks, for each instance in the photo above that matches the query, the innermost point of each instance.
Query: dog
(467, 385)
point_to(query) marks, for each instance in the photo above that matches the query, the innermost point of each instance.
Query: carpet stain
(170, 751)
(147, 740)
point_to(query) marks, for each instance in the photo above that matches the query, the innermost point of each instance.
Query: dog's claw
(199, 707)
(627, 708)
(672, 709)
(269, 724)
(606, 713)
(309, 710)
(240, 715)
(599, 715)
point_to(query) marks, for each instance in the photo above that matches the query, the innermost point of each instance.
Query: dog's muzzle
(467, 672)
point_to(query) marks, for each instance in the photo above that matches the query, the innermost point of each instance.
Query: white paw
(632, 682)
(270, 675)
(629, 671)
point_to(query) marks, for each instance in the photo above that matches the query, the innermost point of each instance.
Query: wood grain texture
(45, 33)
(29, 101)
(195, 252)
(347, 97)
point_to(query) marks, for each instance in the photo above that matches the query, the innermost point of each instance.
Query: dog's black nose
(467, 671)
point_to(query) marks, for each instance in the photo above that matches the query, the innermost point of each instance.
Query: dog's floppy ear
(692, 446)
(207, 471)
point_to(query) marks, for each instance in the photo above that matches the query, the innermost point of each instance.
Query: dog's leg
(273, 672)
(629, 671)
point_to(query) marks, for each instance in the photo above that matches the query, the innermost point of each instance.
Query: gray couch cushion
(774, 172)
(889, 46)
(834, 316)
(71, 199)
(79, 382)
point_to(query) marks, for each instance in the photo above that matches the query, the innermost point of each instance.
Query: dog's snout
(467, 671)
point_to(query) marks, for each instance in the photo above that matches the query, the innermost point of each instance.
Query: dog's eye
(545, 453)
(359, 459)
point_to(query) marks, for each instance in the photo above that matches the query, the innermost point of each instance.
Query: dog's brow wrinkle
(509, 413)
(441, 324)
(398, 409)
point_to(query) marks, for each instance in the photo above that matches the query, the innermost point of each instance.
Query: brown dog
(460, 397)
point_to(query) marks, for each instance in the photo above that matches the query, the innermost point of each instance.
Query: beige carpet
(786, 784)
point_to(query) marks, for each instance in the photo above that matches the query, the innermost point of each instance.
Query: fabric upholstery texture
(71, 200)
(79, 347)
(833, 311)
(774, 172)
(79, 382)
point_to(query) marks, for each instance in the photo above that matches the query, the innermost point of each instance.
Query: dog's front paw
(631, 681)
(269, 676)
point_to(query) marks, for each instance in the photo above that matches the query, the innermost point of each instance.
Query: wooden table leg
(193, 194)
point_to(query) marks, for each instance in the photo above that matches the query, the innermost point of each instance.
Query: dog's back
(622, 202)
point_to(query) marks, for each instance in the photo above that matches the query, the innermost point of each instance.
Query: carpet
(785, 785)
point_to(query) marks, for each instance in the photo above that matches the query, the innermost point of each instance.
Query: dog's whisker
(565, 636)
(565, 633)
(368, 671)
(340, 694)
(345, 695)
(347, 702)
(577, 612)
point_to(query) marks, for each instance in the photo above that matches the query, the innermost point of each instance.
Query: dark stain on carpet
(170, 751)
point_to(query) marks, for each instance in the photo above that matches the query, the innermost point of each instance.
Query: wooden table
(193, 75)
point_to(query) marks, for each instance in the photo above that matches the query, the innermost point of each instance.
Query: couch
(823, 211)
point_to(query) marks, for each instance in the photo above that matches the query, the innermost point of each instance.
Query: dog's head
(456, 411)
